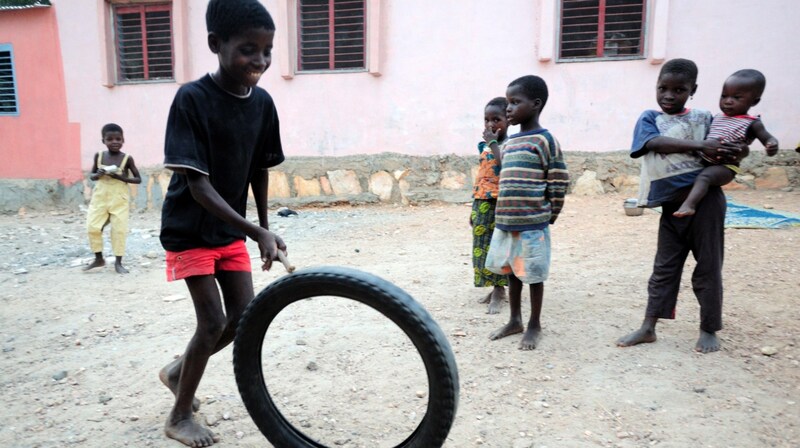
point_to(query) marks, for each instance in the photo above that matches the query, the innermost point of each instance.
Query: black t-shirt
(225, 137)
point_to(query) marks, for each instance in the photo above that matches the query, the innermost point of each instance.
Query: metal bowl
(631, 207)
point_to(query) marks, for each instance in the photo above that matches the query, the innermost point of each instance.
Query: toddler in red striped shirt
(741, 91)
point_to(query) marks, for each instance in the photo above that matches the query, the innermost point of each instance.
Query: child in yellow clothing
(109, 202)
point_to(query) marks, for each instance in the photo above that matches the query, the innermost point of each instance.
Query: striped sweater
(533, 182)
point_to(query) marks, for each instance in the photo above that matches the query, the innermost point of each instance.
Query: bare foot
(639, 336)
(684, 211)
(189, 432)
(170, 375)
(97, 263)
(120, 268)
(530, 339)
(510, 328)
(707, 342)
(485, 299)
(498, 295)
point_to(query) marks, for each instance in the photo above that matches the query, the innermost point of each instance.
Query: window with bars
(8, 86)
(143, 37)
(602, 29)
(331, 35)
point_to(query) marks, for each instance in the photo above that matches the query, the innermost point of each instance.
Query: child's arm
(491, 140)
(557, 180)
(768, 140)
(205, 195)
(95, 173)
(260, 185)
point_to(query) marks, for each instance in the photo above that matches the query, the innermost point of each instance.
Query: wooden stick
(286, 263)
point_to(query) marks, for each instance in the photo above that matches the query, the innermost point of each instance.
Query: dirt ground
(81, 351)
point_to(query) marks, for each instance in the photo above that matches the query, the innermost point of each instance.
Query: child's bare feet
(97, 263)
(497, 297)
(530, 338)
(485, 299)
(512, 327)
(120, 268)
(707, 342)
(189, 432)
(639, 336)
(684, 211)
(170, 375)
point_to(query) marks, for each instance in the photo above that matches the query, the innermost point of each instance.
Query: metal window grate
(602, 29)
(144, 42)
(331, 35)
(8, 88)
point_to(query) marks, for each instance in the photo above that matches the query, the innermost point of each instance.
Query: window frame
(643, 39)
(332, 48)
(10, 49)
(142, 7)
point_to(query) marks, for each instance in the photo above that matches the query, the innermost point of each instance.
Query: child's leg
(211, 324)
(707, 239)
(664, 283)
(497, 296)
(514, 324)
(534, 331)
(715, 175)
(237, 292)
(119, 213)
(95, 220)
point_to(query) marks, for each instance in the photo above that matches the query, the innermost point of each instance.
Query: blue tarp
(746, 217)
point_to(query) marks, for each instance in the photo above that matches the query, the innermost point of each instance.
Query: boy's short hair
(758, 80)
(681, 67)
(226, 18)
(110, 127)
(533, 87)
(500, 102)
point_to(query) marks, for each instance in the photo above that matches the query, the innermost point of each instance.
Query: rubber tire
(383, 296)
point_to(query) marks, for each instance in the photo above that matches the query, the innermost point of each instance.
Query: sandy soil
(81, 351)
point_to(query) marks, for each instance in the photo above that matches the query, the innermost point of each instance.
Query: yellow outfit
(109, 204)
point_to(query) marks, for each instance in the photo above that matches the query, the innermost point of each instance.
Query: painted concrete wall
(39, 143)
(440, 61)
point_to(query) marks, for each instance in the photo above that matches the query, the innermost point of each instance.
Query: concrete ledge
(395, 178)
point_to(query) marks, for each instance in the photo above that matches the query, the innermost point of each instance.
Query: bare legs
(714, 175)
(494, 299)
(215, 330)
(514, 325)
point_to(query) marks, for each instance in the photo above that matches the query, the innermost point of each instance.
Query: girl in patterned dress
(485, 197)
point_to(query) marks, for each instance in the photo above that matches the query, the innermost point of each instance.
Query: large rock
(588, 185)
(326, 185)
(344, 182)
(774, 178)
(278, 185)
(381, 184)
(626, 184)
(305, 188)
(453, 180)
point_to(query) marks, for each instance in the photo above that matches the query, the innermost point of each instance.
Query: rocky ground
(81, 351)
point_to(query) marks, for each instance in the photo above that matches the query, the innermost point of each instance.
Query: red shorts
(207, 261)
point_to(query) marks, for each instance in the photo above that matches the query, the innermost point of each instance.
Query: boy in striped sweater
(741, 91)
(533, 182)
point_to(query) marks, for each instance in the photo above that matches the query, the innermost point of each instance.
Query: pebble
(421, 394)
(174, 298)
(60, 375)
(312, 366)
(769, 350)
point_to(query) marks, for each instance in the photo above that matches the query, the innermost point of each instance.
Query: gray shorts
(526, 254)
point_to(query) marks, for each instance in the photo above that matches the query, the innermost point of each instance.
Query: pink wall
(39, 143)
(440, 61)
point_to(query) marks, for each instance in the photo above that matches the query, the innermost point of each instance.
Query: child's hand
(711, 148)
(489, 135)
(268, 244)
(771, 146)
